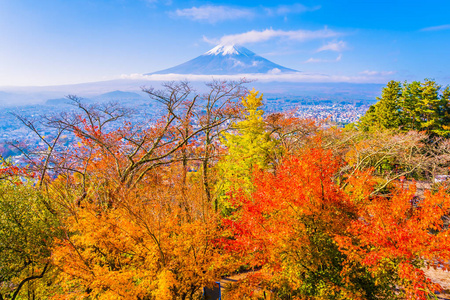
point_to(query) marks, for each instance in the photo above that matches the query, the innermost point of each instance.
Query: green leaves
(413, 106)
(27, 229)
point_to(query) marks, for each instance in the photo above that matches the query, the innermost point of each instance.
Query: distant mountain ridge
(118, 96)
(227, 60)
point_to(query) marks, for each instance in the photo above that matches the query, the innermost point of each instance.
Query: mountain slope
(226, 60)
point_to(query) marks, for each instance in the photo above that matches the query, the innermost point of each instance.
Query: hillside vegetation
(161, 209)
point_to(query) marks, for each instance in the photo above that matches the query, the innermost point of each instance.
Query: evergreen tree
(413, 106)
(429, 106)
(445, 111)
(386, 112)
(409, 102)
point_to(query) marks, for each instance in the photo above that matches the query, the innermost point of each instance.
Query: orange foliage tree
(395, 238)
(313, 239)
(138, 224)
(151, 244)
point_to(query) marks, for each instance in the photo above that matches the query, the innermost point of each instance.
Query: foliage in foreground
(132, 212)
(317, 240)
(27, 230)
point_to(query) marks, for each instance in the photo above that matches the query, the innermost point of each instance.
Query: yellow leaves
(360, 186)
(249, 148)
(149, 241)
(252, 102)
(165, 284)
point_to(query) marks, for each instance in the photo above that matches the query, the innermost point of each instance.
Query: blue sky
(52, 42)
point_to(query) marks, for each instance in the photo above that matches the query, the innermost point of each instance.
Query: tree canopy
(131, 211)
(411, 106)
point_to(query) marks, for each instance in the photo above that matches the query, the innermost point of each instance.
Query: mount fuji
(227, 60)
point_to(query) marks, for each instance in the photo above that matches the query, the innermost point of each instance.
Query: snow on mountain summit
(229, 50)
(227, 60)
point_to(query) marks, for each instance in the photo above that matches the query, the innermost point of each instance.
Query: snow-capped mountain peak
(226, 60)
(229, 50)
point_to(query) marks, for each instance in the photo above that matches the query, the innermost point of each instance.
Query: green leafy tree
(27, 229)
(409, 102)
(386, 112)
(432, 108)
(411, 106)
(446, 108)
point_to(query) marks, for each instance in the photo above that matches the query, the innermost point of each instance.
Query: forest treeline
(159, 210)
(421, 106)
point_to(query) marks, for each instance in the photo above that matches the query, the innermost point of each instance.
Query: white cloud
(296, 8)
(271, 76)
(255, 36)
(377, 73)
(214, 13)
(436, 28)
(320, 60)
(333, 46)
(274, 71)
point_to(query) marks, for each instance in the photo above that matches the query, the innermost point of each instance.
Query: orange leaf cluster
(300, 225)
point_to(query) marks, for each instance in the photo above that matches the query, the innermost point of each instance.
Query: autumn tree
(27, 230)
(135, 226)
(396, 240)
(135, 149)
(137, 217)
(390, 155)
(249, 146)
(288, 225)
(144, 248)
(316, 240)
(291, 133)
(218, 106)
